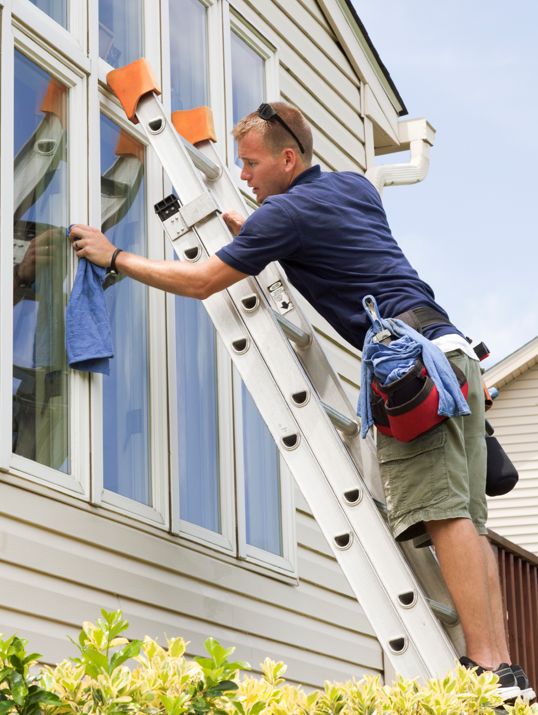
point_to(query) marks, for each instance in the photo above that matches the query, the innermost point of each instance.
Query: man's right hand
(234, 221)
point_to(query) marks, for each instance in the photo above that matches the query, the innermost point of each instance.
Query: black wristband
(112, 267)
(112, 274)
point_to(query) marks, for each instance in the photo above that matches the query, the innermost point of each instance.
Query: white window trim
(157, 514)
(233, 22)
(287, 562)
(7, 79)
(70, 41)
(77, 165)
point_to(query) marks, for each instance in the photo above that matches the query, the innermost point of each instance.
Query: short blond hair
(275, 135)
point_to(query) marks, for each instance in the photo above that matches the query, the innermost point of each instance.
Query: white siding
(514, 416)
(61, 562)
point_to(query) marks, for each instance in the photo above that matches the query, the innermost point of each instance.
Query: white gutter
(418, 136)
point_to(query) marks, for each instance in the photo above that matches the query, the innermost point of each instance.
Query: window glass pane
(120, 31)
(40, 251)
(57, 9)
(197, 415)
(126, 425)
(262, 480)
(248, 80)
(188, 54)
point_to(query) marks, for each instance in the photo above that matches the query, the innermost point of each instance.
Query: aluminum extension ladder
(295, 389)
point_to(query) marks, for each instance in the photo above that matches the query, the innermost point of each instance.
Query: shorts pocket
(414, 474)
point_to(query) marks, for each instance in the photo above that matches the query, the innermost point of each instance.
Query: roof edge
(403, 111)
(513, 365)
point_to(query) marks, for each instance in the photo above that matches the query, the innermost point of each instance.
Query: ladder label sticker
(280, 297)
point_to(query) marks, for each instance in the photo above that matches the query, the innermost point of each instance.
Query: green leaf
(131, 650)
(19, 689)
(6, 707)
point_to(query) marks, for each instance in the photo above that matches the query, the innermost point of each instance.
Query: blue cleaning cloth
(389, 362)
(88, 338)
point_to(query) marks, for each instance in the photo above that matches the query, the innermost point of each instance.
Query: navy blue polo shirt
(330, 233)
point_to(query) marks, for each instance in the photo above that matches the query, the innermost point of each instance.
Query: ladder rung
(300, 337)
(345, 424)
(210, 170)
(446, 614)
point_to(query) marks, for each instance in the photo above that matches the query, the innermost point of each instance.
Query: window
(171, 422)
(261, 467)
(120, 31)
(188, 54)
(57, 9)
(40, 383)
(264, 489)
(253, 77)
(126, 424)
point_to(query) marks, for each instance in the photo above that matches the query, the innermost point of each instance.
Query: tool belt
(408, 407)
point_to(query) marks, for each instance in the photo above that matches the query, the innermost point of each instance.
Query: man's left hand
(91, 244)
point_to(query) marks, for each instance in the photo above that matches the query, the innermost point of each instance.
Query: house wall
(514, 416)
(64, 557)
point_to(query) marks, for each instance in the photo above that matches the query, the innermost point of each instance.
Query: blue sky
(470, 228)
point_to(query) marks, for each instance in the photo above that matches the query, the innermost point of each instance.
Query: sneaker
(527, 693)
(508, 685)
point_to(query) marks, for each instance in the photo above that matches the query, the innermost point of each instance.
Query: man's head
(273, 152)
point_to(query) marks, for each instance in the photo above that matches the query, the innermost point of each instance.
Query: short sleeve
(268, 234)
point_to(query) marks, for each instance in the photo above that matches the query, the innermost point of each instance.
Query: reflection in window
(126, 453)
(120, 31)
(248, 80)
(57, 9)
(262, 480)
(188, 53)
(40, 251)
(197, 415)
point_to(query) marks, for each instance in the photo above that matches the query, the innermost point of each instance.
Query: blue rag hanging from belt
(388, 362)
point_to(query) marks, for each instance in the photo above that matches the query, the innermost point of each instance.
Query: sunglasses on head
(267, 112)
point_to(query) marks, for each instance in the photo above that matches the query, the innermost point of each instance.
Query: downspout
(416, 135)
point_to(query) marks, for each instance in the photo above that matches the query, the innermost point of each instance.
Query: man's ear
(290, 158)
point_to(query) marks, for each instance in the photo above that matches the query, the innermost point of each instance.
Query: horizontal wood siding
(514, 416)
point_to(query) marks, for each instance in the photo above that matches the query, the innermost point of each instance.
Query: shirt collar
(310, 174)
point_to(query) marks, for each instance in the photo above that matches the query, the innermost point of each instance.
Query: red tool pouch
(408, 407)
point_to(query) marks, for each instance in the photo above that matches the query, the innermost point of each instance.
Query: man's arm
(195, 280)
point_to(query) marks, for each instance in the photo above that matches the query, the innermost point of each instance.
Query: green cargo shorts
(442, 473)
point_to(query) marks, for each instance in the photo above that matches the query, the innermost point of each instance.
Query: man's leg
(496, 602)
(465, 567)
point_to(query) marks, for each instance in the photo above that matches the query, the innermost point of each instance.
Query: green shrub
(162, 681)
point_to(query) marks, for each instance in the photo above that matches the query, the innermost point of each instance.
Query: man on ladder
(330, 233)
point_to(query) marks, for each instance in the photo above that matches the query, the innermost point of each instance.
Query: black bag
(502, 476)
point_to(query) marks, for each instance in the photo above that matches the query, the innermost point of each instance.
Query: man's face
(266, 173)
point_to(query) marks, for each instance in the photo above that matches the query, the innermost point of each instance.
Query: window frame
(157, 513)
(72, 39)
(236, 23)
(224, 541)
(78, 415)
(287, 562)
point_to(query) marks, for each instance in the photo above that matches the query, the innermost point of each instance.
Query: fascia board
(513, 365)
